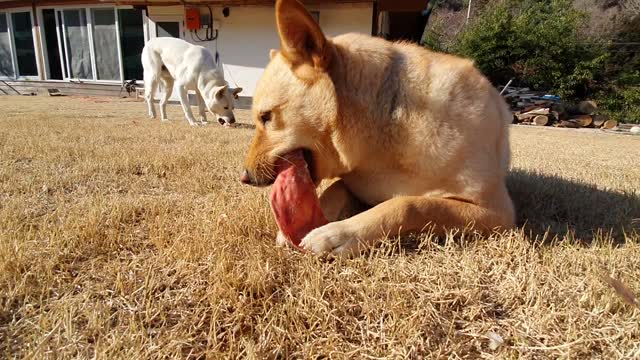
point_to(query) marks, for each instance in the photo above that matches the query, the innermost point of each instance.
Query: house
(92, 47)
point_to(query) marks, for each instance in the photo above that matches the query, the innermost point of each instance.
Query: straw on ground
(122, 237)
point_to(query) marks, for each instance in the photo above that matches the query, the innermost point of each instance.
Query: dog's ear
(302, 42)
(219, 91)
(236, 91)
(272, 53)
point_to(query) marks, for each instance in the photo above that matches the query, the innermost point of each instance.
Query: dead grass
(125, 238)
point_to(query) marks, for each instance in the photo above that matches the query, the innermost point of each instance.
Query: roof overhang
(382, 5)
(4, 4)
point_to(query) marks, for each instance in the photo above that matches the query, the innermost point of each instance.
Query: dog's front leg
(201, 108)
(400, 216)
(186, 107)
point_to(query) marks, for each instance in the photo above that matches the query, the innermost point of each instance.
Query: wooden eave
(4, 4)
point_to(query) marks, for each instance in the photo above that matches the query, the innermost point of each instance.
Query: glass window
(23, 40)
(105, 42)
(77, 36)
(131, 42)
(168, 29)
(6, 60)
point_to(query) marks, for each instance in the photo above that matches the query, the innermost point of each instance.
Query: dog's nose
(232, 120)
(245, 178)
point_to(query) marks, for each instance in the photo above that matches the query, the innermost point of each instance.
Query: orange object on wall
(193, 18)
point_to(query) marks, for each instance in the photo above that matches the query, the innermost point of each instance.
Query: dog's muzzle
(245, 178)
(226, 120)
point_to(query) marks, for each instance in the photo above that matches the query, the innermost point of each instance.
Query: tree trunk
(541, 120)
(526, 116)
(599, 120)
(568, 124)
(583, 120)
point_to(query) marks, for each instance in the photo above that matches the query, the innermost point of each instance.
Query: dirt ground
(122, 237)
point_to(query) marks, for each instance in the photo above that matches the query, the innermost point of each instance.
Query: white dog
(192, 67)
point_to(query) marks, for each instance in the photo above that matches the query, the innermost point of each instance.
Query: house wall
(247, 35)
(244, 41)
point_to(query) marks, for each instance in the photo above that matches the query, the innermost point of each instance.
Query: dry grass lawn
(126, 238)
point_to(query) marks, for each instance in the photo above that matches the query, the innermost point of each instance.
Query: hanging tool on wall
(194, 24)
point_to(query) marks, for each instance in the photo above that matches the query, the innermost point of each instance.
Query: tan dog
(420, 137)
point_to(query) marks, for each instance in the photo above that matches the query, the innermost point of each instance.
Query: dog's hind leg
(150, 87)
(186, 107)
(202, 110)
(167, 84)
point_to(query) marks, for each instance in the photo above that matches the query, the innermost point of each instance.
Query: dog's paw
(282, 240)
(333, 239)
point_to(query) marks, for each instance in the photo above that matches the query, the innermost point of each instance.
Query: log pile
(539, 109)
(524, 99)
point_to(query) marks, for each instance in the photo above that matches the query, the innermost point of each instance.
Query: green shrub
(537, 43)
(619, 96)
(621, 100)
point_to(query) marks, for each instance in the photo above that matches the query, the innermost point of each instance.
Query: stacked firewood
(581, 115)
(534, 108)
(526, 99)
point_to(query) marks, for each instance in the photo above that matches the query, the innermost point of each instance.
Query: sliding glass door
(105, 43)
(96, 43)
(88, 42)
(76, 43)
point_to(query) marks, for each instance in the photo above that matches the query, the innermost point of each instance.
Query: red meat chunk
(294, 201)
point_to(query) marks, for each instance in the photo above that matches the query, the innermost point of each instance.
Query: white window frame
(153, 27)
(12, 45)
(61, 49)
(11, 50)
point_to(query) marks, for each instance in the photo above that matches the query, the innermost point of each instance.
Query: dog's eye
(226, 108)
(265, 117)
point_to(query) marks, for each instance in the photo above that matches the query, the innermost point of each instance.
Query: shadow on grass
(563, 207)
(551, 208)
(244, 126)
